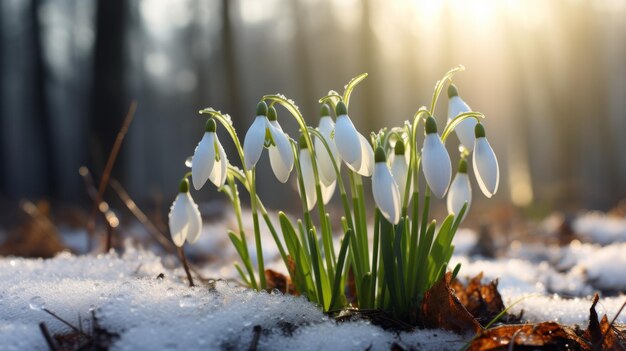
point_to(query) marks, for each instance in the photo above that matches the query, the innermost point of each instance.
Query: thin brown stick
(152, 229)
(47, 336)
(181, 252)
(91, 223)
(93, 193)
(142, 217)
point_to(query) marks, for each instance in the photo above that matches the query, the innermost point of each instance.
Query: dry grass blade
(91, 223)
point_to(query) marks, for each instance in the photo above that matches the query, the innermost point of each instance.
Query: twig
(152, 229)
(181, 252)
(255, 338)
(107, 171)
(141, 216)
(47, 336)
(93, 194)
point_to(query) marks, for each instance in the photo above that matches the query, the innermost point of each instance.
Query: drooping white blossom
(460, 191)
(352, 146)
(308, 177)
(485, 163)
(209, 160)
(184, 217)
(465, 129)
(385, 189)
(400, 168)
(324, 160)
(263, 133)
(435, 160)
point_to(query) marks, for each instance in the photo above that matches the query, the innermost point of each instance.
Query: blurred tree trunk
(108, 98)
(40, 104)
(303, 63)
(230, 62)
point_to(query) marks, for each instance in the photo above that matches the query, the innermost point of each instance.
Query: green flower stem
(363, 219)
(350, 87)
(375, 250)
(250, 175)
(310, 239)
(457, 120)
(342, 187)
(326, 233)
(257, 231)
(439, 86)
(237, 173)
(242, 234)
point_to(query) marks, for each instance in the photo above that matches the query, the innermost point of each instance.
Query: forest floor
(137, 298)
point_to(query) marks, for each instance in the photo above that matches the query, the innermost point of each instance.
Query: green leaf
(339, 269)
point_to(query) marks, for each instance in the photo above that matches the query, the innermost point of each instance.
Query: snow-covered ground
(545, 282)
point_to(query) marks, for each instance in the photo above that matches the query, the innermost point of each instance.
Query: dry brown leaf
(543, 336)
(441, 309)
(276, 280)
(483, 301)
(600, 334)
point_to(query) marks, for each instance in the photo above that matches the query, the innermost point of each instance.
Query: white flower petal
(465, 129)
(486, 167)
(178, 220)
(347, 142)
(386, 193)
(203, 160)
(328, 191)
(281, 155)
(436, 164)
(367, 158)
(220, 169)
(194, 218)
(459, 193)
(400, 171)
(308, 178)
(254, 141)
(324, 161)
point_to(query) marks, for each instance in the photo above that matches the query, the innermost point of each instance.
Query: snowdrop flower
(435, 160)
(400, 168)
(460, 191)
(353, 148)
(266, 133)
(209, 160)
(465, 129)
(485, 163)
(185, 221)
(324, 160)
(385, 189)
(308, 178)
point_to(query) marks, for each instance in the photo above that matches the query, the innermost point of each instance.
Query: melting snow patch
(600, 228)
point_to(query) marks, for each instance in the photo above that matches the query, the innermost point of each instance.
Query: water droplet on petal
(188, 161)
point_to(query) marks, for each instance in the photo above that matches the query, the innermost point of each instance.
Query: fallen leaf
(277, 280)
(544, 336)
(483, 301)
(441, 309)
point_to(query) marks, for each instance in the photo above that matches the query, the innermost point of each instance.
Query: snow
(541, 282)
(601, 228)
(152, 313)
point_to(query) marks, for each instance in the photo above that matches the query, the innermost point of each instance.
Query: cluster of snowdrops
(408, 253)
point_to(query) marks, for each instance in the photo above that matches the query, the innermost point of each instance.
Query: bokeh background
(549, 75)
